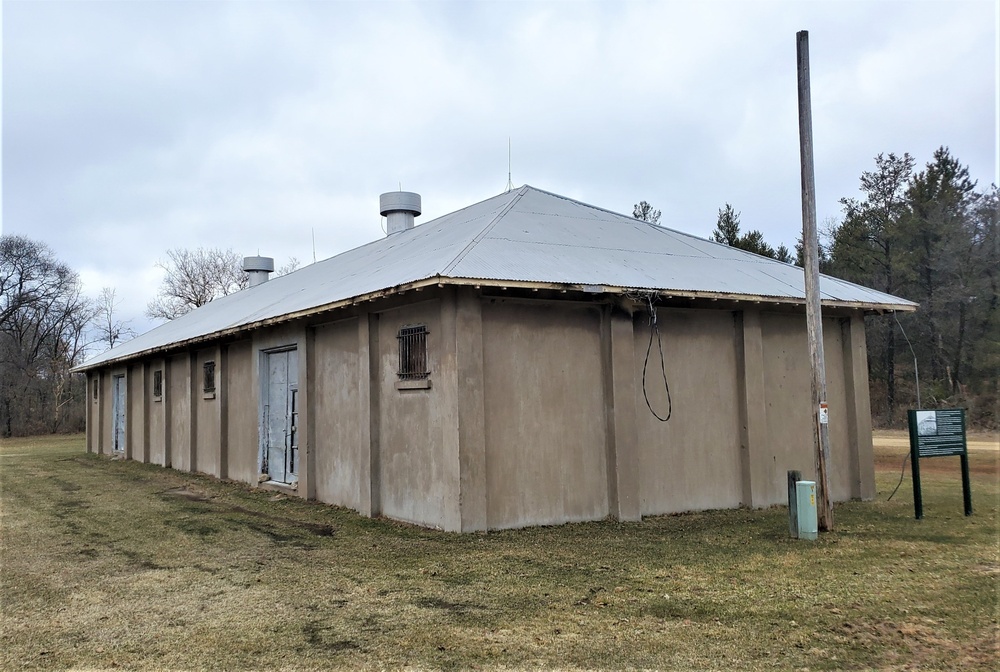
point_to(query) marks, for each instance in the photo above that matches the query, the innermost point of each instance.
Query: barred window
(209, 385)
(97, 385)
(413, 352)
(158, 383)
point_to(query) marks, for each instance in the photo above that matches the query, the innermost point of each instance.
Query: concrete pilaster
(96, 412)
(624, 498)
(168, 404)
(305, 427)
(193, 387)
(471, 409)
(369, 495)
(753, 407)
(859, 413)
(222, 408)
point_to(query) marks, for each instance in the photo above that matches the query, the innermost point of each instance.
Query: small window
(209, 385)
(96, 387)
(413, 353)
(158, 383)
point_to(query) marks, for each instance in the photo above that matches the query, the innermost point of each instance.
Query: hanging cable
(916, 375)
(655, 330)
(901, 472)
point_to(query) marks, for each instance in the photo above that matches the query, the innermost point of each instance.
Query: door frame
(119, 411)
(264, 372)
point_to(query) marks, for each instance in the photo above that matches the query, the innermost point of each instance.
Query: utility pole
(810, 244)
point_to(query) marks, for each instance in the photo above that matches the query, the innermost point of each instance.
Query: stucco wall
(416, 482)
(157, 415)
(691, 461)
(789, 405)
(340, 449)
(179, 399)
(839, 469)
(207, 423)
(545, 421)
(93, 412)
(535, 413)
(241, 413)
(137, 389)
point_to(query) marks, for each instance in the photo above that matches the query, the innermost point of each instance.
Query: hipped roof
(524, 237)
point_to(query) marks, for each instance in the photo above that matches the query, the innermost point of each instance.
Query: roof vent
(259, 269)
(399, 208)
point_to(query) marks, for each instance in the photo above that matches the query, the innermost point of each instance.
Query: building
(498, 367)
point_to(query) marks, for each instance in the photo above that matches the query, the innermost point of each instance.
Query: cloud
(132, 128)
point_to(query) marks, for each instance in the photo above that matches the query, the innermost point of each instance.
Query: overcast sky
(130, 128)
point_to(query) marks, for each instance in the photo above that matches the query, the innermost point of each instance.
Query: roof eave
(441, 281)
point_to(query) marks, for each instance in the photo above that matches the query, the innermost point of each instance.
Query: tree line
(48, 325)
(929, 236)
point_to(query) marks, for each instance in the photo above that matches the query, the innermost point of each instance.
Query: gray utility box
(805, 504)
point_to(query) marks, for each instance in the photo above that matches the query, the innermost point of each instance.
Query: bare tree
(110, 329)
(43, 320)
(292, 265)
(195, 277)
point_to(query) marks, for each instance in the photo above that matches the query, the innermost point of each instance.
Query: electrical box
(805, 500)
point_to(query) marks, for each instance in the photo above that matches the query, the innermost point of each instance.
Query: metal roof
(523, 236)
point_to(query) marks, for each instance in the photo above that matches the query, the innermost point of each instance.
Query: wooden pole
(810, 244)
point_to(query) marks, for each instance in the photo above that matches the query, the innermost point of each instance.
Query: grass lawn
(114, 564)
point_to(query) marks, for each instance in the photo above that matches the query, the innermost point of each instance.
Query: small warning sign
(824, 414)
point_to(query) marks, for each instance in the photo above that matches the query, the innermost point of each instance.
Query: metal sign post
(936, 434)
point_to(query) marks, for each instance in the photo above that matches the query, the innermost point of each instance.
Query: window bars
(209, 368)
(413, 352)
(158, 383)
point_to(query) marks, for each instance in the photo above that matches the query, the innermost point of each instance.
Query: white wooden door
(280, 393)
(118, 413)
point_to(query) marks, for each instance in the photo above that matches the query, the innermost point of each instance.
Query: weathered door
(118, 414)
(280, 395)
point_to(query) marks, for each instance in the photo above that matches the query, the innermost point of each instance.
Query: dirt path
(892, 445)
(898, 438)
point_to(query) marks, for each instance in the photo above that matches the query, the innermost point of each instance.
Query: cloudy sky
(130, 128)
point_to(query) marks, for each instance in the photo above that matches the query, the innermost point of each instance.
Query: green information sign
(936, 434)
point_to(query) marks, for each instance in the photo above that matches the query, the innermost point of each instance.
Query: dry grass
(112, 564)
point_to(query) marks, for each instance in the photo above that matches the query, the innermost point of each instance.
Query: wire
(901, 472)
(654, 329)
(916, 369)
(916, 375)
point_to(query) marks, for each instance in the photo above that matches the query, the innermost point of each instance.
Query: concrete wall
(241, 413)
(342, 452)
(208, 415)
(93, 411)
(858, 410)
(544, 414)
(137, 445)
(691, 461)
(789, 410)
(534, 412)
(418, 475)
(839, 466)
(179, 426)
(158, 413)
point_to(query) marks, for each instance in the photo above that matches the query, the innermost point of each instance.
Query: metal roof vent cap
(399, 208)
(259, 269)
